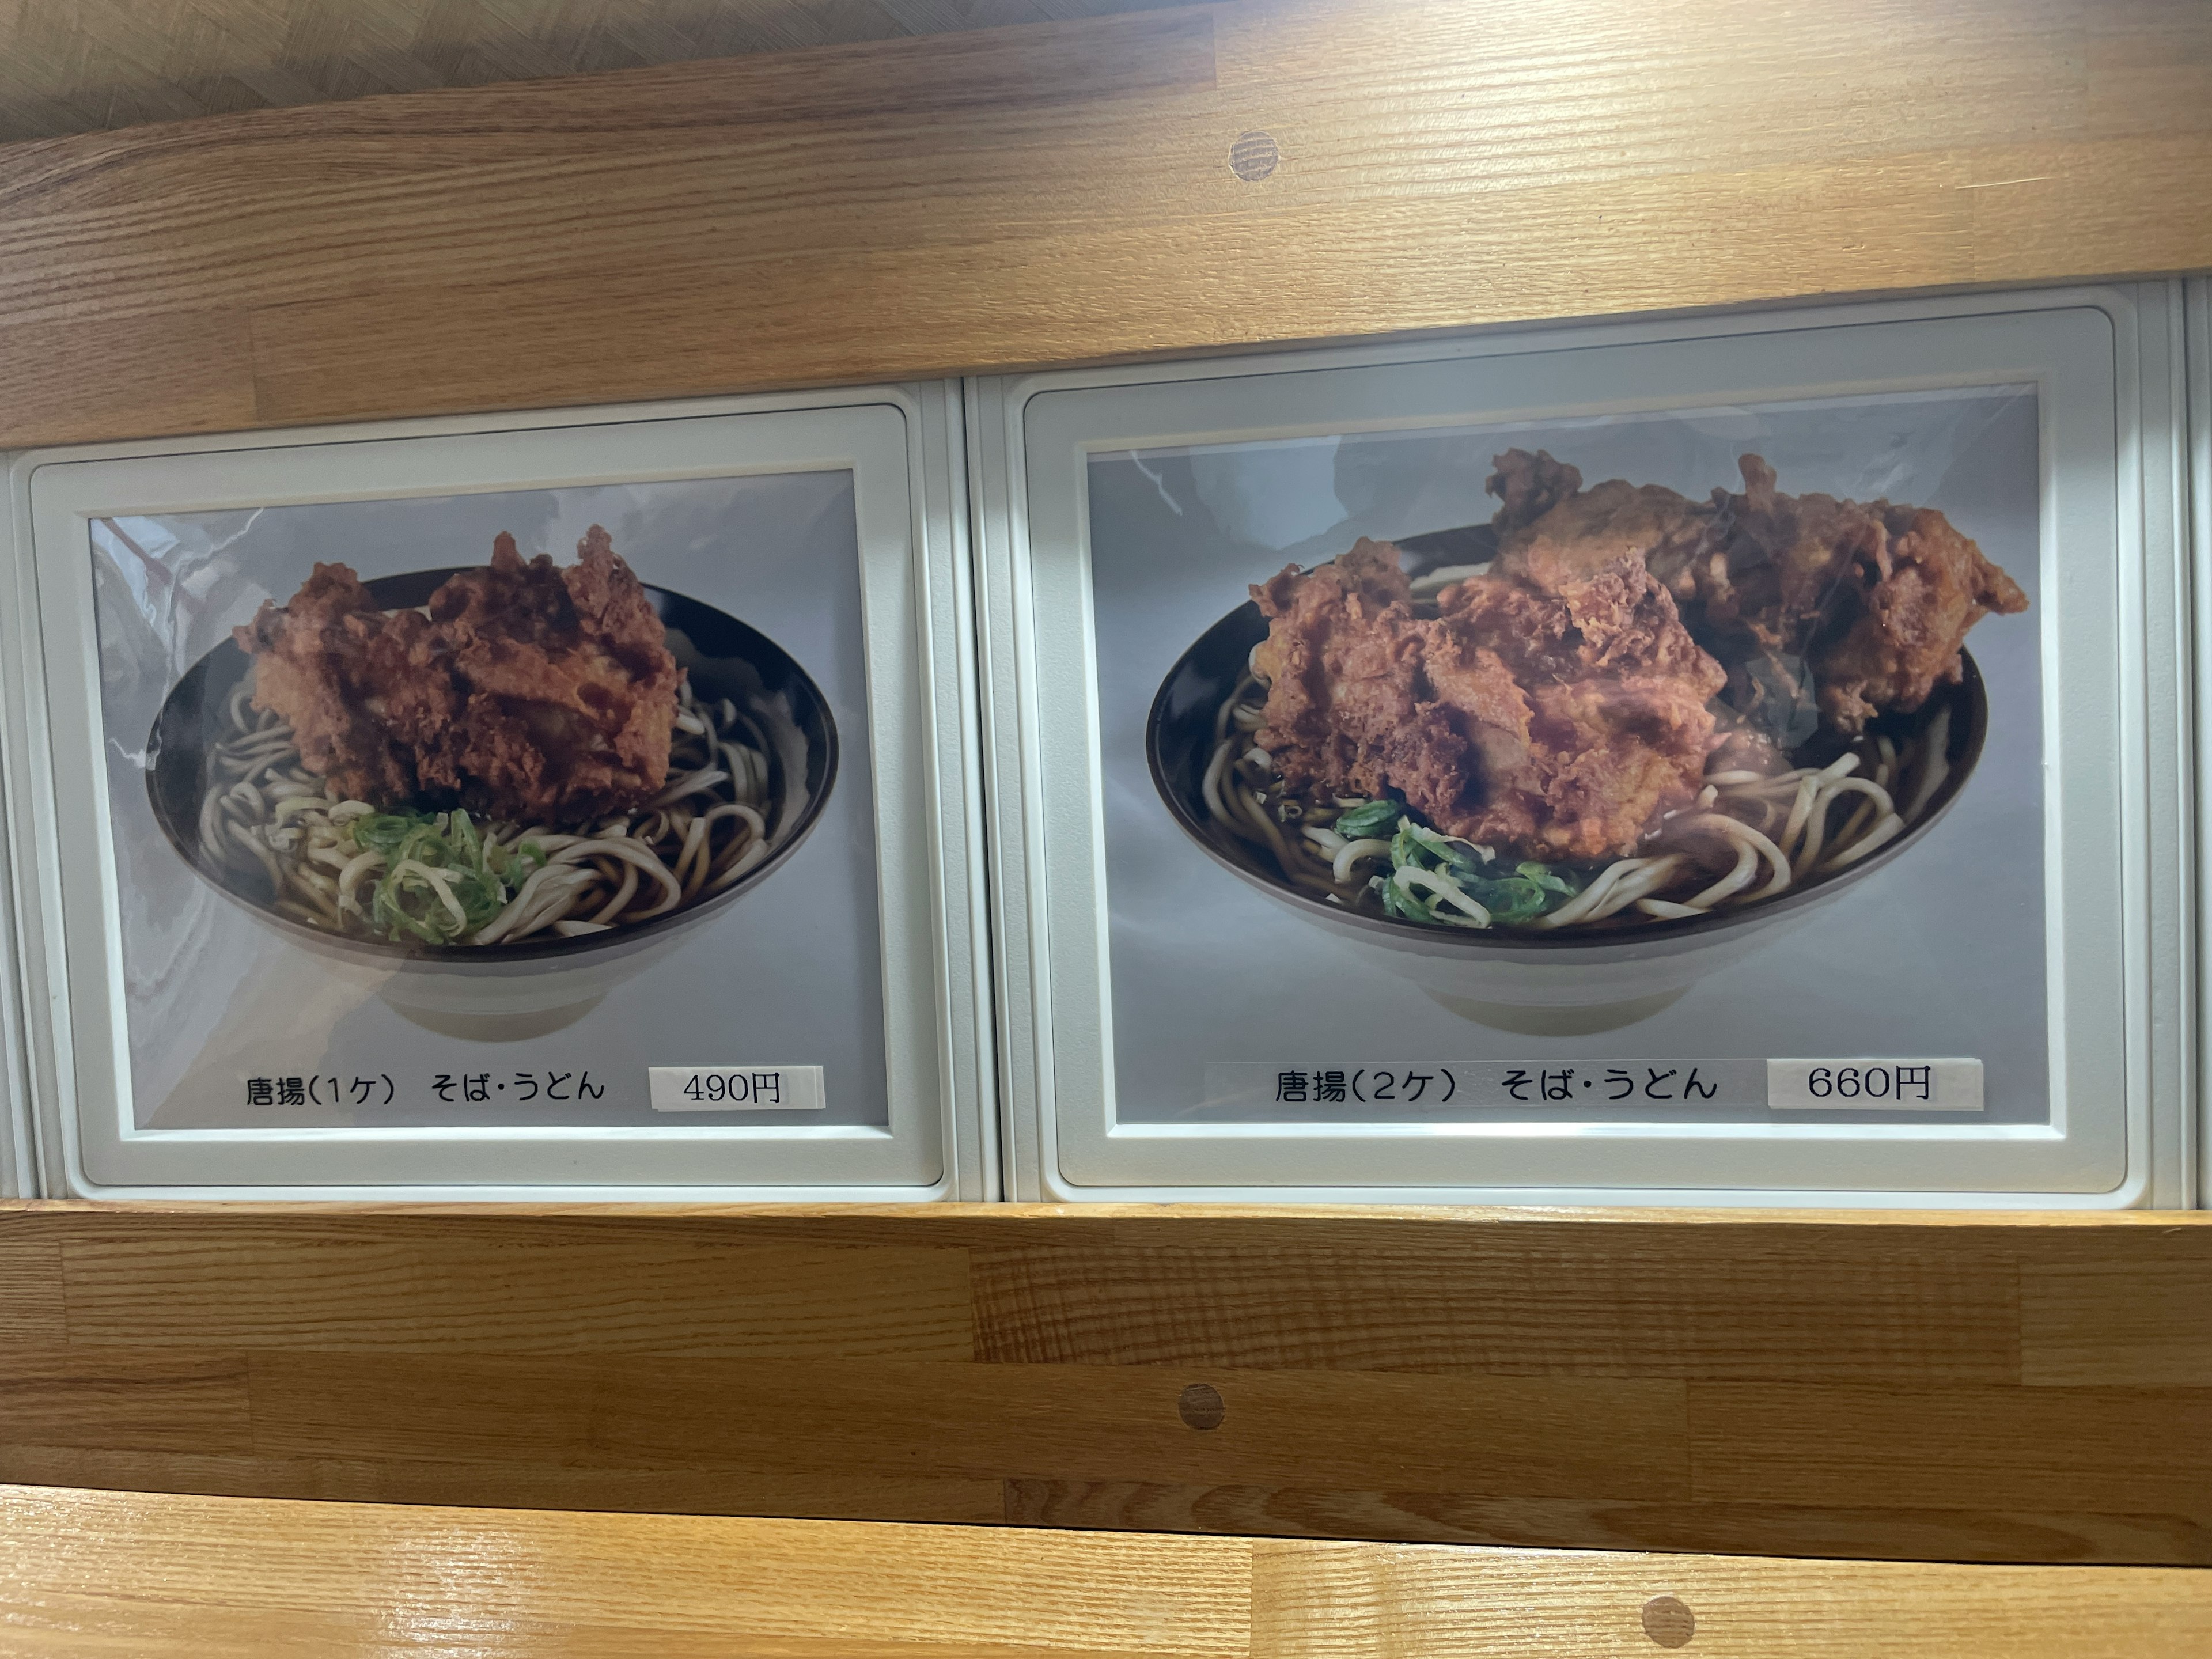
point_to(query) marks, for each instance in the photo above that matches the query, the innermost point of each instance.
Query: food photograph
(1649, 735)
(511, 787)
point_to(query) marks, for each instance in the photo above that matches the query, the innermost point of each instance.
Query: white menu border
(903, 445)
(2122, 1014)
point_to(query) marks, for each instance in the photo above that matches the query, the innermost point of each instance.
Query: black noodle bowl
(726, 657)
(1180, 741)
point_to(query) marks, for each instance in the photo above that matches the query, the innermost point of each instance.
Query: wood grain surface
(1987, 1389)
(89, 1572)
(1061, 192)
(1977, 1389)
(79, 65)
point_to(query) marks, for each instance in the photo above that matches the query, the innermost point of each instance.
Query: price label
(736, 1088)
(1874, 1085)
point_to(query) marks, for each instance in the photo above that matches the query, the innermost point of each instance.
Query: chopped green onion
(1509, 901)
(1533, 889)
(383, 832)
(1552, 880)
(1397, 902)
(1453, 852)
(433, 863)
(1370, 818)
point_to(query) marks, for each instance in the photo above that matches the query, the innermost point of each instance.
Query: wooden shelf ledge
(2030, 1388)
(153, 1575)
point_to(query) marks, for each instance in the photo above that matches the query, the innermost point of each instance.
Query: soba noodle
(346, 867)
(1748, 837)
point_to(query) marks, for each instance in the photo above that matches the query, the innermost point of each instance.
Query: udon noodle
(1747, 837)
(347, 867)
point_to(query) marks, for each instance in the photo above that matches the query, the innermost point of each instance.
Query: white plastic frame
(18, 1160)
(904, 447)
(2123, 993)
(2198, 331)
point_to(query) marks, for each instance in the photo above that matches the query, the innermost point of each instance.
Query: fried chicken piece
(1473, 766)
(1590, 549)
(1342, 667)
(1756, 587)
(1528, 487)
(528, 693)
(317, 662)
(1767, 562)
(1935, 583)
(1568, 699)
(570, 690)
(1616, 757)
(1555, 705)
(1618, 729)
(1829, 608)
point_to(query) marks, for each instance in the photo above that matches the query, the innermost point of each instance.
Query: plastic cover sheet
(242, 1015)
(1236, 1001)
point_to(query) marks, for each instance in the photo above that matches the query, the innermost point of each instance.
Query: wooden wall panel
(1061, 192)
(2089, 1321)
(127, 1401)
(1529, 1304)
(153, 1576)
(78, 65)
(1994, 1388)
(549, 1291)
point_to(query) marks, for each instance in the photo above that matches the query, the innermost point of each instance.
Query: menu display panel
(1642, 762)
(514, 810)
(1605, 824)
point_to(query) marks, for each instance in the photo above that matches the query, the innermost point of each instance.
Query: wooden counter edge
(168, 1575)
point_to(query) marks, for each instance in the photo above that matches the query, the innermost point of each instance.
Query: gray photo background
(1939, 954)
(789, 975)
